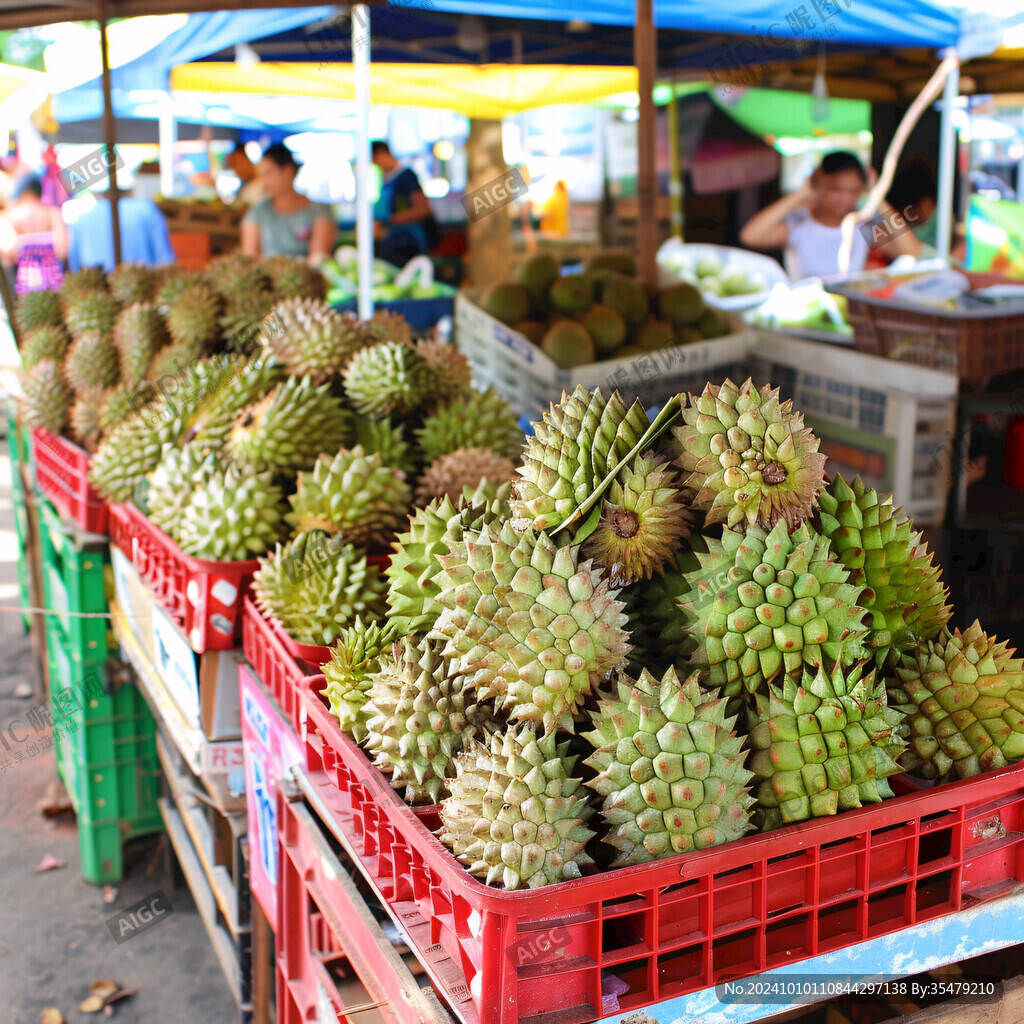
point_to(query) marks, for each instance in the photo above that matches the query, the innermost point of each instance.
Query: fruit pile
(313, 448)
(342, 278)
(93, 350)
(602, 313)
(659, 637)
(711, 274)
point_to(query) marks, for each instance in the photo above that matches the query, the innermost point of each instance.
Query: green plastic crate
(21, 529)
(105, 742)
(18, 438)
(75, 581)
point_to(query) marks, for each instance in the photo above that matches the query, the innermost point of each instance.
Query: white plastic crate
(892, 423)
(531, 380)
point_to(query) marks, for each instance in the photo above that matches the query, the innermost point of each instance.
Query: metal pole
(675, 178)
(645, 58)
(109, 133)
(167, 130)
(947, 163)
(364, 208)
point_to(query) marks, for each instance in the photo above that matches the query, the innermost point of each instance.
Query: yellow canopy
(13, 79)
(484, 91)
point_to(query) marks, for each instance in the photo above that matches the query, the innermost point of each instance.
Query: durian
(465, 467)
(38, 309)
(138, 334)
(388, 379)
(480, 419)
(46, 398)
(45, 342)
(91, 362)
(313, 339)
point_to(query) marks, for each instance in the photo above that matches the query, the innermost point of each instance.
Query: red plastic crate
(205, 597)
(677, 925)
(330, 949)
(281, 662)
(62, 469)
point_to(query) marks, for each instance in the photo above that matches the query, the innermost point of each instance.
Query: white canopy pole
(166, 132)
(947, 162)
(364, 208)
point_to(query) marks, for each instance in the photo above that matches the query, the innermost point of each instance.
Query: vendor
(33, 238)
(403, 223)
(286, 223)
(807, 223)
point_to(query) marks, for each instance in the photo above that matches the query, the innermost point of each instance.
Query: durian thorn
(774, 473)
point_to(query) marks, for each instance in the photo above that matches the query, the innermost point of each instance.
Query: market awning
(485, 91)
(13, 79)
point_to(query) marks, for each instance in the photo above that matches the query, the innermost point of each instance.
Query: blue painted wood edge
(910, 951)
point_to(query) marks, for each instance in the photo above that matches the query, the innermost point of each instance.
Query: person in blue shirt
(144, 234)
(403, 223)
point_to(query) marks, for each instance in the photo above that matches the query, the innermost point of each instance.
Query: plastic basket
(974, 344)
(330, 950)
(106, 758)
(677, 925)
(191, 249)
(74, 586)
(62, 474)
(421, 314)
(204, 597)
(531, 380)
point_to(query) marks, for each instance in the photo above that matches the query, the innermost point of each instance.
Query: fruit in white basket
(713, 285)
(508, 303)
(681, 304)
(568, 344)
(709, 265)
(605, 326)
(570, 294)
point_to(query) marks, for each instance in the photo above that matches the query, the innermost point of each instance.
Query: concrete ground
(53, 937)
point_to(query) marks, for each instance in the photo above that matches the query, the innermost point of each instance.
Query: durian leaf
(673, 407)
(589, 526)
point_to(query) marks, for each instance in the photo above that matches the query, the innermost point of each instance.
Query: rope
(21, 610)
(875, 196)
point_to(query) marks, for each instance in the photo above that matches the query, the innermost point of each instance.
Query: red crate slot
(679, 924)
(330, 949)
(279, 661)
(62, 469)
(205, 597)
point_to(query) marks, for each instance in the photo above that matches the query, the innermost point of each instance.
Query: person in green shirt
(286, 223)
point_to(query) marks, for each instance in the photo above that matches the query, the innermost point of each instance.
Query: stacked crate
(104, 733)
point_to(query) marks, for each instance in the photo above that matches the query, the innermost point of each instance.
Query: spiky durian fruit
(414, 569)
(46, 398)
(313, 339)
(172, 286)
(234, 270)
(823, 745)
(354, 658)
(80, 283)
(657, 623)
(452, 371)
(233, 517)
(574, 447)
(134, 448)
(92, 313)
(294, 279)
(91, 362)
(85, 418)
(771, 603)
(963, 695)
(116, 405)
(244, 386)
(465, 467)
(750, 458)
(526, 619)
(387, 439)
(194, 317)
(245, 307)
(480, 419)
(388, 379)
(181, 472)
(173, 360)
(315, 586)
(289, 427)
(138, 334)
(38, 309)
(387, 326)
(902, 590)
(130, 283)
(420, 717)
(670, 768)
(45, 342)
(643, 519)
(352, 494)
(515, 816)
